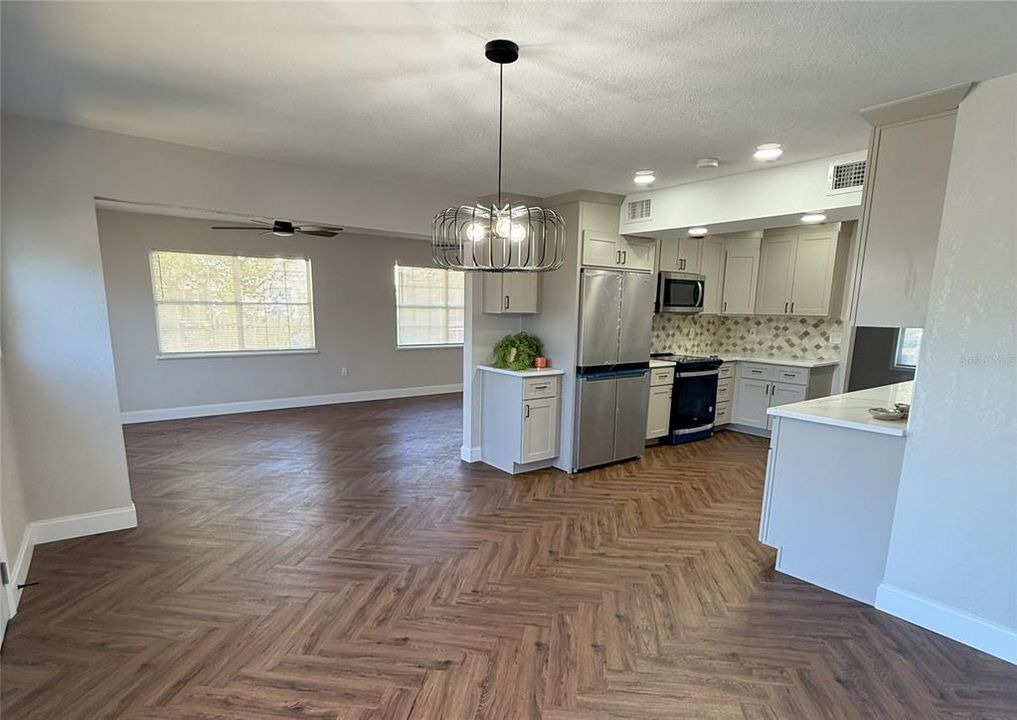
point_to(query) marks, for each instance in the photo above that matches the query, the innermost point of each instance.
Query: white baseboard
(93, 523)
(63, 528)
(19, 571)
(232, 408)
(971, 630)
(470, 454)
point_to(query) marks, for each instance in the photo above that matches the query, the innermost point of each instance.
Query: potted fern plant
(517, 352)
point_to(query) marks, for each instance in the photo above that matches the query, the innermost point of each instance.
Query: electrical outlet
(836, 336)
(344, 371)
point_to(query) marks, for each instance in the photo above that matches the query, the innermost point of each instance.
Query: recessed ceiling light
(767, 152)
(707, 163)
(697, 231)
(813, 218)
(644, 177)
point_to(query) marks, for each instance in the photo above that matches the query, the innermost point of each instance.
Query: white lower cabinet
(761, 386)
(659, 414)
(520, 418)
(540, 429)
(752, 400)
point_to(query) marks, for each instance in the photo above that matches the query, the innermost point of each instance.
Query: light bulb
(476, 231)
(503, 225)
(768, 152)
(813, 218)
(518, 232)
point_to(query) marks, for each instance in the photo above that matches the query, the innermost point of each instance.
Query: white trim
(985, 635)
(19, 571)
(232, 408)
(470, 454)
(235, 354)
(93, 523)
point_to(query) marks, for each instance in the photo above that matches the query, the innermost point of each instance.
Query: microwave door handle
(698, 302)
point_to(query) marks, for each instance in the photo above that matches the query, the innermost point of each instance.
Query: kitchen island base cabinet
(828, 504)
(520, 418)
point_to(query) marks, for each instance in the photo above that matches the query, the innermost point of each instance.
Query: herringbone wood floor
(340, 562)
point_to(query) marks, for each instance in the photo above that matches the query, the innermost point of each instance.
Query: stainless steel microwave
(680, 292)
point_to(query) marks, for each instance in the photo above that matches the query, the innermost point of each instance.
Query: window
(231, 304)
(429, 306)
(909, 340)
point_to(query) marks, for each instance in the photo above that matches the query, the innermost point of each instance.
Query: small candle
(540, 362)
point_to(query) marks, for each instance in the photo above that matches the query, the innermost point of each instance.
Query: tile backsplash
(762, 335)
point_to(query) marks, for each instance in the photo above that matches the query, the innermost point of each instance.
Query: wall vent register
(639, 209)
(847, 176)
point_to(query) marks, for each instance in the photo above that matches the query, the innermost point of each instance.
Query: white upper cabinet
(711, 265)
(798, 269)
(681, 255)
(905, 187)
(741, 272)
(776, 273)
(617, 252)
(814, 268)
(513, 293)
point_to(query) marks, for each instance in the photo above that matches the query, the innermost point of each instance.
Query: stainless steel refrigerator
(613, 383)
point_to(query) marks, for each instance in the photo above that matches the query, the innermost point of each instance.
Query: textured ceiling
(402, 91)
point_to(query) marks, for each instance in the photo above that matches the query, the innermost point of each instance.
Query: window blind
(429, 306)
(229, 303)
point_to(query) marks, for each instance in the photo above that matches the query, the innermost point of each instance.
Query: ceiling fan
(284, 228)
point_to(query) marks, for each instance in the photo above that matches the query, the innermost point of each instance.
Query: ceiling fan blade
(238, 227)
(318, 233)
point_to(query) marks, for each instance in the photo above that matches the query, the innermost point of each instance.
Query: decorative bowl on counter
(900, 412)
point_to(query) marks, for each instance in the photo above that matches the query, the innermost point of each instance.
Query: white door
(689, 252)
(637, 253)
(520, 289)
(784, 393)
(740, 271)
(776, 270)
(813, 273)
(601, 249)
(751, 400)
(711, 265)
(540, 430)
(658, 416)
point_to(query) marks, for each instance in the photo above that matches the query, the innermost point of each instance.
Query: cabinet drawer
(534, 388)
(723, 415)
(793, 375)
(755, 371)
(661, 376)
(724, 390)
(726, 370)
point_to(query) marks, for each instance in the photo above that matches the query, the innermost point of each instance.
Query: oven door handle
(698, 373)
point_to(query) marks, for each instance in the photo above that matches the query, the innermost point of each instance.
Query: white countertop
(726, 357)
(532, 372)
(851, 410)
(655, 363)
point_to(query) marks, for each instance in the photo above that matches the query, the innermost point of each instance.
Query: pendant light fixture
(500, 237)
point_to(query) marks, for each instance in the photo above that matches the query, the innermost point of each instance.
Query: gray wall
(955, 529)
(56, 340)
(354, 308)
(872, 359)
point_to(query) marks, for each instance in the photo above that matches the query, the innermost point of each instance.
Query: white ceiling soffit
(403, 92)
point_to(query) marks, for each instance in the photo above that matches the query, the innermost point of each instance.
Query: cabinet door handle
(792, 308)
(527, 411)
(617, 257)
(767, 390)
(785, 308)
(507, 303)
(625, 257)
(725, 306)
(540, 387)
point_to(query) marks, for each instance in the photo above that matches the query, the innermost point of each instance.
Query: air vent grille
(848, 175)
(639, 209)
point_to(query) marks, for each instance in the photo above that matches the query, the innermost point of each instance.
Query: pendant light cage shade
(511, 238)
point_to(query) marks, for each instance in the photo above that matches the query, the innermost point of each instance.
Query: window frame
(397, 307)
(897, 364)
(202, 354)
